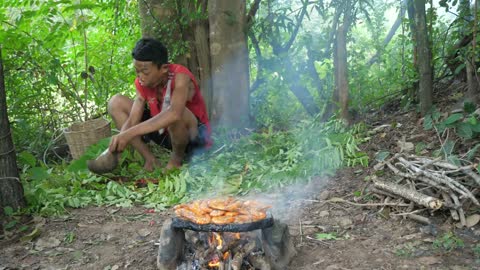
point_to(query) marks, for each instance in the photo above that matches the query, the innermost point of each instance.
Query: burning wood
(212, 239)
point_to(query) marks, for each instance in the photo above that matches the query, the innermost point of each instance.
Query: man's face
(149, 74)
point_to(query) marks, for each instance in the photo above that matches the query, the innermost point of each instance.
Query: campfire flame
(214, 263)
(226, 255)
(218, 241)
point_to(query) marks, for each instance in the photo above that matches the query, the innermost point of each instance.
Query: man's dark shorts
(194, 146)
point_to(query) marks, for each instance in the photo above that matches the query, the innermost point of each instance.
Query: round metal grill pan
(181, 223)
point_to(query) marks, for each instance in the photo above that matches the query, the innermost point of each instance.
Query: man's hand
(119, 142)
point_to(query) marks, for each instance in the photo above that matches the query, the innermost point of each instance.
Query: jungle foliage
(64, 59)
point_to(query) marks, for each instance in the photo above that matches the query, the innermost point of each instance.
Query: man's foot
(173, 164)
(150, 165)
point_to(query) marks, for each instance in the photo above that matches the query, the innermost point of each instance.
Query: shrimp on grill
(222, 211)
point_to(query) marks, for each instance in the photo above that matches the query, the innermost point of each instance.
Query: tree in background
(229, 60)
(340, 94)
(423, 49)
(11, 190)
(277, 32)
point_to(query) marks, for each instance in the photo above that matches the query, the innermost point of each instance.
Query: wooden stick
(419, 218)
(470, 173)
(409, 194)
(301, 230)
(443, 179)
(461, 214)
(384, 193)
(453, 212)
(319, 241)
(340, 200)
(259, 262)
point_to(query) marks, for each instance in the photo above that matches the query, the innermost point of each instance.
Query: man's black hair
(149, 49)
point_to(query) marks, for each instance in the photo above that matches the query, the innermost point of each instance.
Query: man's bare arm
(136, 113)
(171, 115)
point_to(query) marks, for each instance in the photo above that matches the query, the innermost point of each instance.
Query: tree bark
(11, 190)
(229, 62)
(204, 65)
(341, 70)
(340, 94)
(472, 75)
(425, 68)
(312, 72)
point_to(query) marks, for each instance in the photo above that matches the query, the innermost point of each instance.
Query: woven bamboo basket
(83, 134)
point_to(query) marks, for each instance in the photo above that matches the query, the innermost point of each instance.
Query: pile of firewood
(430, 185)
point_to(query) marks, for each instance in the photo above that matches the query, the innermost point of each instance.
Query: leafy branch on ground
(258, 162)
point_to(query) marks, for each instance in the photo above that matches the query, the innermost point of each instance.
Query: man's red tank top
(196, 105)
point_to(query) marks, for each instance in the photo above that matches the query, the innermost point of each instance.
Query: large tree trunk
(229, 59)
(341, 71)
(11, 190)
(204, 65)
(340, 93)
(425, 68)
(472, 75)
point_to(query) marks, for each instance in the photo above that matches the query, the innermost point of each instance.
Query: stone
(472, 220)
(345, 222)
(323, 214)
(324, 195)
(170, 246)
(278, 245)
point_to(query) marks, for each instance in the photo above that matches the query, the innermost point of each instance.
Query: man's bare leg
(180, 134)
(119, 108)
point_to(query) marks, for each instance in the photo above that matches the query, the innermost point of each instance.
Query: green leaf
(38, 173)
(11, 224)
(448, 147)
(8, 211)
(464, 130)
(382, 155)
(419, 147)
(32, 235)
(69, 237)
(453, 118)
(472, 152)
(454, 160)
(469, 107)
(326, 236)
(459, 68)
(91, 153)
(27, 158)
(476, 127)
(427, 123)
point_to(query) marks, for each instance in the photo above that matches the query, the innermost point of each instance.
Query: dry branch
(409, 194)
(429, 178)
(419, 218)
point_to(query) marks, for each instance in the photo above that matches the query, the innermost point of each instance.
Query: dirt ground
(352, 236)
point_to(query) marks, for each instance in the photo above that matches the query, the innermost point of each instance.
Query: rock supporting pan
(180, 223)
